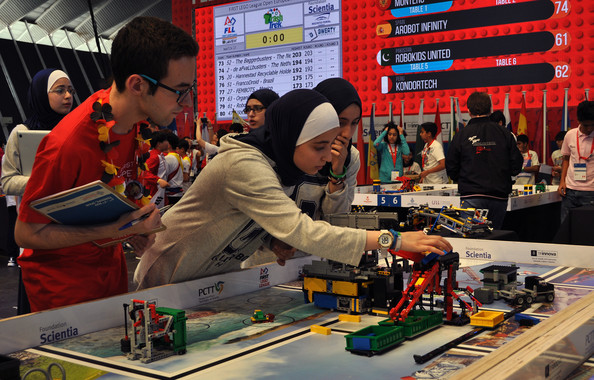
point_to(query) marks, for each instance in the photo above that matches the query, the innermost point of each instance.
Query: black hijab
(264, 96)
(341, 94)
(283, 123)
(42, 117)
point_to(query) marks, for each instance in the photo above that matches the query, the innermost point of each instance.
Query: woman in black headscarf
(256, 104)
(238, 202)
(332, 189)
(50, 99)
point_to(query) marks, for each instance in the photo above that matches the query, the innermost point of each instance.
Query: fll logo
(264, 277)
(273, 18)
(229, 26)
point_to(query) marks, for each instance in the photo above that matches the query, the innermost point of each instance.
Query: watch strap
(397, 243)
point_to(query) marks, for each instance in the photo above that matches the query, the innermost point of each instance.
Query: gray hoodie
(231, 209)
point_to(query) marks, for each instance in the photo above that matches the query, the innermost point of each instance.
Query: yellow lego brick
(349, 318)
(345, 288)
(487, 318)
(320, 330)
(315, 284)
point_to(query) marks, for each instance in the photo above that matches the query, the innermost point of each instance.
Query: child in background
(433, 159)
(557, 158)
(182, 151)
(531, 165)
(410, 166)
(390, 147)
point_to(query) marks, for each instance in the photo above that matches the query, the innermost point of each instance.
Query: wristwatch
(390, 239)
(386, 239)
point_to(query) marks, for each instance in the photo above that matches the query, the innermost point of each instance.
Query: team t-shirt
(70, 156)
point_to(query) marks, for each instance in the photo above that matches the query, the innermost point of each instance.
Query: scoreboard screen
(398, 50)
(281, 45)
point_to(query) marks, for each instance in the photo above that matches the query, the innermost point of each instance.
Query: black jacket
(482, 158)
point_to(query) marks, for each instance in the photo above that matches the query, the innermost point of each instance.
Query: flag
(361, 149)
(565, 116)
(452, 120)
(539, 144)
(522, 122)
(459, 119)
(419, 144)
(438, 136)
(239, 119)
(506, 112)
(372, 164)
(402, 114)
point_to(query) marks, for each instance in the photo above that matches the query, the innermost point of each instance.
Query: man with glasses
(153, 66)
(256, 105)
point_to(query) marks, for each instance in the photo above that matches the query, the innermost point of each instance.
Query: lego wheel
(519, 300)
(550, 297)
(529, 299)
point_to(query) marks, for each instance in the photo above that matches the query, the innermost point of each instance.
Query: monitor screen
(280, 45)
(398, 51)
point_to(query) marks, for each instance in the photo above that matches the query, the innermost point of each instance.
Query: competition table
(223, 344)
(534, 217)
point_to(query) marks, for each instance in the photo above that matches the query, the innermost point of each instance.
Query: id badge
(393, 175)
(579, 172)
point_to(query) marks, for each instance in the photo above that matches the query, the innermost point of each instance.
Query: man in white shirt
(577, 174)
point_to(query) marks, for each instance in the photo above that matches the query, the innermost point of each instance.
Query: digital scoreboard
(399, 50)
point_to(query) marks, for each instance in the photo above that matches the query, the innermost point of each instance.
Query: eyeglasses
(62, 90)
(181, 95)
(256, 109)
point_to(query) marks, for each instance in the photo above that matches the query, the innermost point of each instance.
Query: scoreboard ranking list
(276, 44)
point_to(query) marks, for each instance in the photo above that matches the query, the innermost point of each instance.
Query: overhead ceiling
(68, 23)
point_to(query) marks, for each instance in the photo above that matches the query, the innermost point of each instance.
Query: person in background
(155, 175)
(557, 158)
(194, 154)
(432, 157)
(256, 104)
(216, 230)
(235, 128)
(216, 138)
(576, 185)
(391, 145)
(209, 149)
(482, 158)
(50, 99)
(332, 189)
(174, 169)
(182, 151)
(499, 118)
(531, 165)
(409, 165)
(153, 66)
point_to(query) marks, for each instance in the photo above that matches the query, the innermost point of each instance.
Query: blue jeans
(496, 207)
(575, 198)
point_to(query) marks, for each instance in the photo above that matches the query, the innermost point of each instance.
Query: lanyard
(577, 137)
(425, 154)
(394, 153)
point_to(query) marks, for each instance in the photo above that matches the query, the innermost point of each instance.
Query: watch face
(385, 240)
